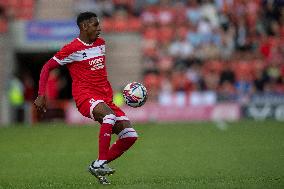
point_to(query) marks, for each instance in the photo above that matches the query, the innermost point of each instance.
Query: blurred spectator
(209, 13)
(194, 75)
(180, 82)
(103, 8)
(181, 50)
(260, 80)
(244, 89)
(227, 45)
(16, 99)
(211, 80)
(227, 91)
(242, 42)
(126, 5)
(227, 75)
(193, 12)
(153, 85)
(165, 65)
(29, 87)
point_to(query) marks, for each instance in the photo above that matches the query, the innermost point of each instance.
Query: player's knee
(99, 116)
(128, 133)
(100, 111)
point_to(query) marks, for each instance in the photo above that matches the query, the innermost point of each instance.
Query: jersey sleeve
(64, 56)
(44, 74)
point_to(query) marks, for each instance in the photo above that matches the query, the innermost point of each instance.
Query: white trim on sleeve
(57, 60)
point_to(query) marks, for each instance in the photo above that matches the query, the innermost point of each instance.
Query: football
(135, 94)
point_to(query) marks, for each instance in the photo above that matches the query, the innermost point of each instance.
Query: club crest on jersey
(97, 63)
(84, 55)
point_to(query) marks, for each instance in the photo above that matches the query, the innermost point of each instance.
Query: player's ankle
(99, 162)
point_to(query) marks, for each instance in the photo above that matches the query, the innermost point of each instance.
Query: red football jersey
(86, 64)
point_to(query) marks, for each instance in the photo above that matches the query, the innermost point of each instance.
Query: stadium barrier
(259, 107)
(159, 113)
(268, 106)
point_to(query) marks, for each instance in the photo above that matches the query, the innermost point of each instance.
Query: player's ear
(84, 25)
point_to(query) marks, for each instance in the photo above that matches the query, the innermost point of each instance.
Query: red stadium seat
(107, 25)
(134, 24)
(150, 33)
(3, 25)
(166, 34)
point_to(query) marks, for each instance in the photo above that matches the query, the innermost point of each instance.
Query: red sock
(127, 138)
(119, 147)
(105, 136)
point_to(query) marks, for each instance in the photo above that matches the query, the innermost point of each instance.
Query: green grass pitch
(247, 155)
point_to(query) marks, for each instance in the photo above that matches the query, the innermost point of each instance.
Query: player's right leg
(103, 114)
(99, 111)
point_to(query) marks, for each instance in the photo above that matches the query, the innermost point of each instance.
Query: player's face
(93, 29)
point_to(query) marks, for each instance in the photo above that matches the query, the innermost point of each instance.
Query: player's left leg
(123, 129)
(126, 138)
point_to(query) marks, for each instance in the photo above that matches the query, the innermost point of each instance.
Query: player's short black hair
(85, 16)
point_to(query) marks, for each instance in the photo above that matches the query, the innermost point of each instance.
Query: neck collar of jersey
(86, 44)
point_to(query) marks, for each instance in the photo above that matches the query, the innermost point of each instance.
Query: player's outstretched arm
(40, 101)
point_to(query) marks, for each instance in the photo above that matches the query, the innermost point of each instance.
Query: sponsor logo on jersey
(97, 63)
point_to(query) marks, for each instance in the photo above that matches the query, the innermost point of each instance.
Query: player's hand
(40, 103)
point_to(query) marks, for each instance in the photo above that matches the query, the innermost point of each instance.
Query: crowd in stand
(15, 9)
(232, 47)
(3, 20)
